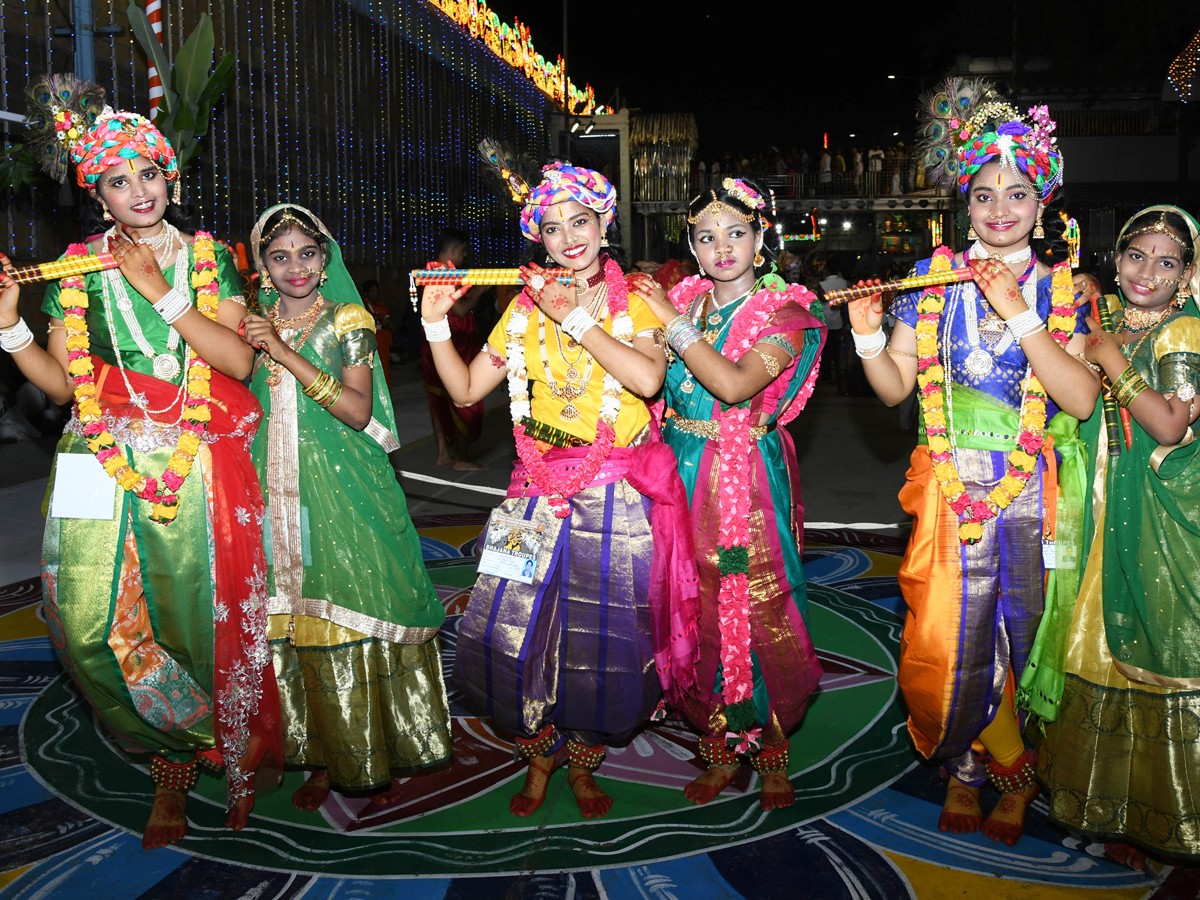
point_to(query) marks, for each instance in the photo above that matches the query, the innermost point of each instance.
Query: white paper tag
(1049, 555)
(82, 489)
(510, 548)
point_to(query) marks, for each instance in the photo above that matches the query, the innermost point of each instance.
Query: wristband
(577, 322)
(869, 346)
(1023, 324)
(16, 338)
(437, 331)
(172, 306)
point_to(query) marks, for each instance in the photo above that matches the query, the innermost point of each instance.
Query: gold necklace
(575, 383)
(1138, 320)
(293, 332)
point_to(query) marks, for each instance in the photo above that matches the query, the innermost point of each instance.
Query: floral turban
(563, 181)
(116, 137)
(1026, 147)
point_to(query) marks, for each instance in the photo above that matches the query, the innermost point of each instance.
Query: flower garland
(162, 492)
(734, 454)
(934, 394)
(610, 404)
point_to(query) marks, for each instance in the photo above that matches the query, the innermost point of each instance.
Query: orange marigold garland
(931, 383)
(162, 491)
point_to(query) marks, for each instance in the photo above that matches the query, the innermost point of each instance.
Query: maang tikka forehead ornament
(740, 191)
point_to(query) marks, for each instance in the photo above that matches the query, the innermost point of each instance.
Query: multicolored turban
(965, 124)
(563, 181)
(117, 137)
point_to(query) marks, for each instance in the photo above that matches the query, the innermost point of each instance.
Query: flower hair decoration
(965, 124)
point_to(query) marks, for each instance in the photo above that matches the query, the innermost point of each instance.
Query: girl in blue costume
(354, 617)
(993, 360)
(745, 357)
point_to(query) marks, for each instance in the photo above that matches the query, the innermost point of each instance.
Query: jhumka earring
(1183, 295)
(972, 235)
(759, 259)
(266, 283)
(603, 242)
(324, 278)
(107, 215)
(177, 192)
(1039, 233)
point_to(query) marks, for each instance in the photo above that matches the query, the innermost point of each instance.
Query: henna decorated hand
(1100, 344)
(552, 298)
(642, 284)
(138, 265)
(866, 313)
(999, 287)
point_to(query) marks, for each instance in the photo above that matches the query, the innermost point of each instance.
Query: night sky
(802, 69)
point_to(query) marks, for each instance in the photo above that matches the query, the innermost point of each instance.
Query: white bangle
(438, 331)
(16, 338)
(869, 346)
(172, 306)
(577, 322)
(1023, 324)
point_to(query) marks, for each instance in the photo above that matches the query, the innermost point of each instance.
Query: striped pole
(154, 14)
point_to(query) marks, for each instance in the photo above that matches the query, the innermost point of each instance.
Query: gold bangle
(895, 352)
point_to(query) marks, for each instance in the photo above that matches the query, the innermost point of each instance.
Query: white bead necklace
(980, 362)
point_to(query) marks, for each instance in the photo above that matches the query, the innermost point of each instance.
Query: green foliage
(19, 169)
(192, 87)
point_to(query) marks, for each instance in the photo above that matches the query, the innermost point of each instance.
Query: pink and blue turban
(563, 181)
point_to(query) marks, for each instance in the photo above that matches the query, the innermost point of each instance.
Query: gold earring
(759, 259)
(266, 282)
(177, 192)
(107, 215)
(971, 234)
(324, 278)
(1039, 233)
(1183, 295)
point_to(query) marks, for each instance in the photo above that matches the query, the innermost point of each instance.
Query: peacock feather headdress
(62, 109)
(965, 123)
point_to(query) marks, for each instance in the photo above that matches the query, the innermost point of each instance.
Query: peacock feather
(62, 108)
(942, 113)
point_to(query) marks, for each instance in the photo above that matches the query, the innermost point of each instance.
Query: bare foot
(389, 796)
(1007, 819)
(593, 802)
(533, 794)
(776, 791)
(711, 782)
(961, 813)
(465, 465)
(168, 819)
(444, 458)
(313, 793)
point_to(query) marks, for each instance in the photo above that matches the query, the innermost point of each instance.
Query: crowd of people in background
(871, 168)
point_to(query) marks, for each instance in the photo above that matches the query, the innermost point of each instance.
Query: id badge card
(82, 489)
(510, 547)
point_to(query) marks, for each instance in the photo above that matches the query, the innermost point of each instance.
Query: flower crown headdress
(965, 124)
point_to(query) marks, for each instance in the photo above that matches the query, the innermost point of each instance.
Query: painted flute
(899, 286)
(480, 276)
(64, 268)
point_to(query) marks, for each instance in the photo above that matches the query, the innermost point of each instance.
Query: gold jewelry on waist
(707, 428)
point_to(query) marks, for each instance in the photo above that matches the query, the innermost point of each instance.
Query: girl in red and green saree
(1114, 683)
(745, 353)
(996, 363)
(155, 594)
(354, 616)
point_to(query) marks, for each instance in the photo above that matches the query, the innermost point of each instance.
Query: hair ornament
(1159, 227)
(739, 190)
(965, 124)
(62, 109)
